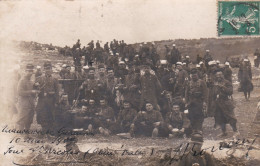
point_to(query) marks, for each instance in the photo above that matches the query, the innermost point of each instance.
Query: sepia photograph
(129, 83)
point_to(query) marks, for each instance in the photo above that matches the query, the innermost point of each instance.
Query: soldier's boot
(155, 133)
(245, 94)
(224, 132)
(234, 127)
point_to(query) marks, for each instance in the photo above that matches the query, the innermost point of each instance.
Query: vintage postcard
(129, 82)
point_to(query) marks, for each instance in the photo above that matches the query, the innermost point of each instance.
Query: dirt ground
(245, 112)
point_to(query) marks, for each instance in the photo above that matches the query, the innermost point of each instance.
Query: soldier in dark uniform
(153, 53)
(210, 79)
(162, 69)
(147, 122)
(85, 72)
(245, 78)
(198, 59)
(175, 55)
(62, 113)
(224, 108)
(91, 115)
(207, 58)
(168, 54)
(150, 87)
(227, 72)
(126, 117)
(69, 87)
(174, 120)
(132, 91)
(26, 99)
(90, 88)
(102, 73)
(256, 57)
(187, 60)
(105, 117)
(111, 83)
(48, 98)
(38, 72)
(168, 80)
(196, 99)
(77, 45)
(63, 71)
(106, 48)
(181, 79)
(121, 72)
(77, 59)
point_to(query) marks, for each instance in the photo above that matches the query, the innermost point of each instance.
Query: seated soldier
(174, 121)
(62, 116)
(147, 123)
(126, 117)
(85, 118)
(105, 119)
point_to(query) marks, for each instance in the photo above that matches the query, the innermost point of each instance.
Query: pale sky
(63, 22)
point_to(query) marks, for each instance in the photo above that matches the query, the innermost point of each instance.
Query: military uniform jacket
(244, 73)
(196, 91)
(49, 87)
(148, 117)
(150, 89)
(106, 112)
(175, 119)
(126, 116)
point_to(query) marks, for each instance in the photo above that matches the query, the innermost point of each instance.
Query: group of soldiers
(120, 92)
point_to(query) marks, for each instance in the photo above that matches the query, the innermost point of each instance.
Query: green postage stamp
(238, 18)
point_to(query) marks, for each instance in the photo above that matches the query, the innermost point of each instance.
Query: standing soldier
(196, 98)
(245, 78)
(48, 98)
(63, 71)
(224, 108)
(256, 57)
(153, 53)
(150, 87)
(106, 47)
(181, 79)
(175, 55)
(26, 101)
(38, 72)
(227, 72)
(207, 58)
(90, 88)
(77, 59)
